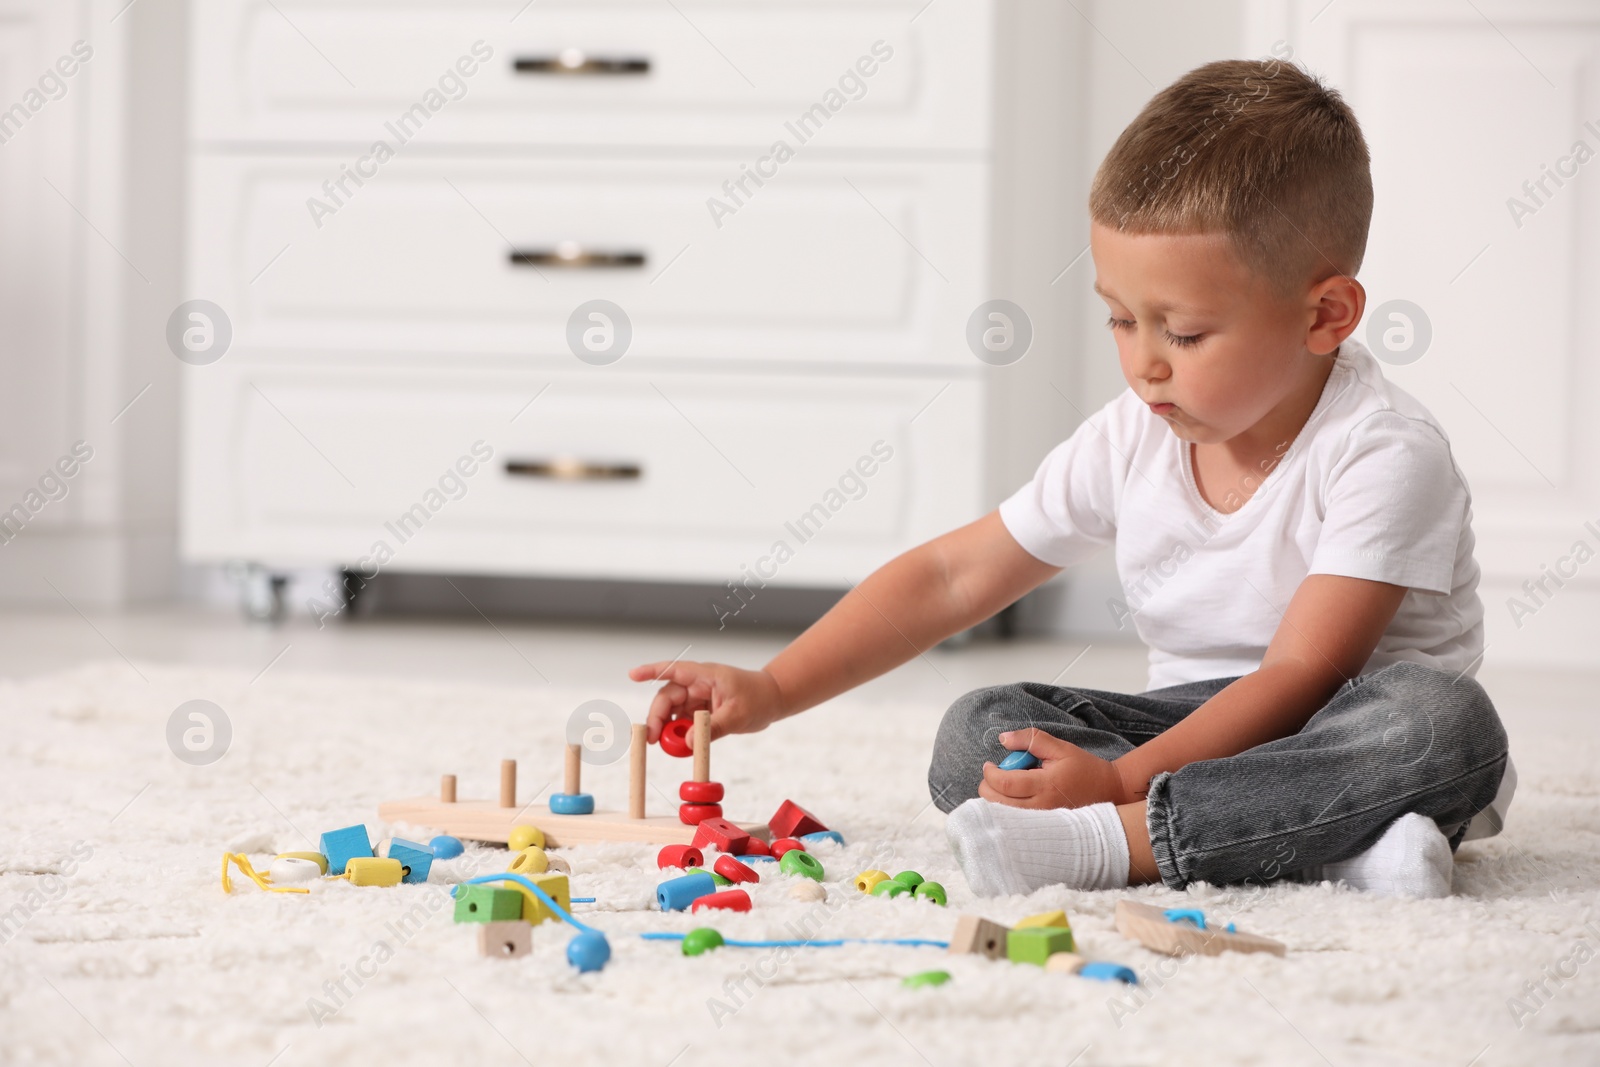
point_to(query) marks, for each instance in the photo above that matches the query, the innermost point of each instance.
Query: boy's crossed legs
(1327, 802)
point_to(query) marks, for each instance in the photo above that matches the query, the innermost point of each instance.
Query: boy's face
(1211, 346)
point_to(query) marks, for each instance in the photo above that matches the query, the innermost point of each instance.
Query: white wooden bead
(806, 889)
(288, 869)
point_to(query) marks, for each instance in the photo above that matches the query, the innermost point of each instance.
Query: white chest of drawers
(792, 309)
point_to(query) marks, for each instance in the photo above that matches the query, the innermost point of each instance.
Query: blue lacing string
(832, 943)
(531, 887)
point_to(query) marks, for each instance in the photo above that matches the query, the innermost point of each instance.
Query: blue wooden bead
(414, 859)
(342, 846)
(676, 894)
(1019, 760)
(445, 847)
(588, 951)
(1108, 972)
(571, 804)
(754, 859)
(823, 835)
(1193, 916)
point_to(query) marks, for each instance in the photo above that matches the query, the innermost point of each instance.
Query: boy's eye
(1183, 341)
(1119, 324)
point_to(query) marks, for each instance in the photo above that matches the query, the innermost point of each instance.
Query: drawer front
(602, 474)
(826, 263)
(594, 73)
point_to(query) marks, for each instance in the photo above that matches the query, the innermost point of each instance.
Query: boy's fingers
(1035, 740)
(1012, 784)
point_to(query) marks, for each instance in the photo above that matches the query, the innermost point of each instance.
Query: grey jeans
(1405, 738)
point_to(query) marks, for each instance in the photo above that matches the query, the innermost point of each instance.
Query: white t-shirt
(1368, 489)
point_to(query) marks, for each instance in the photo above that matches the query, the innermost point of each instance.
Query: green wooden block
(486, 904)
(1035, 944)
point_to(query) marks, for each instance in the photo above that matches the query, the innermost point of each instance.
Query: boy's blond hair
(1259, 150)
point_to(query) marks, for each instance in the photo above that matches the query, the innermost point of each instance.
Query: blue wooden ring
(824, 835)
(1019, 760)
(571, 804)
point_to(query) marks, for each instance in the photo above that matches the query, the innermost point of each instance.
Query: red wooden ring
(695, 814)
(682, 856)
(785, 844)
(728, 899)
(733, 870)
(756, 847)
(701, 792)
(674, 737)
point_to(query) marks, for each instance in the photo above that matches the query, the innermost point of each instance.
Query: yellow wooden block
(1044, 918)
(315, 857)
(534, 910)
(373, 870)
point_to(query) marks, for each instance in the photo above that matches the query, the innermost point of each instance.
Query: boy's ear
(1337, 304)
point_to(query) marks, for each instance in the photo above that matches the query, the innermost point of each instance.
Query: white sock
(1004, 850)
(1411, 859)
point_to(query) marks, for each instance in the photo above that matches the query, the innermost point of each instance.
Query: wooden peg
(636, 756)
(508, 783)
(447, 789)
(573, 784)
(702, 745)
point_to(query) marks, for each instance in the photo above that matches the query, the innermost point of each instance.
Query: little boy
(1292, 536)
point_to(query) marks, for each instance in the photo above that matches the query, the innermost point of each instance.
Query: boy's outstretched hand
(741, 702)
(1067, 776)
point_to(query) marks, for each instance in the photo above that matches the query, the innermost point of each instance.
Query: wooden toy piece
(925, 979)
(1044, 918)
(676, 894)
(506, 939)
(673, 737)
(809, 840)
(702, 745)
(1105, 971)
(726, 836)
(699, 941)
(287, 870)
(571, 804)
(373, 870)
(978, 936)
(1065, 962)
(341, 846)
(536, 911)
(1149, 926)
(415, 860)
(733, 870)
(785, 844)
(486, 904)
(867, 880)
(715, 877)
(701, 792)
(637, 748)
(315, 857)
(525, 836)
(807, 890)
(910, 879)
(728, 899)
(572, 772)
(755, 847)
(484, 820)
(446, 847)
(530, 861)
(447, 789)
(931, 891)
(508, 783)
(791, 820)
(695, 814)
(891, 888)
(684, 856)
(557, 864)
(1036, 944)
(1019, 760)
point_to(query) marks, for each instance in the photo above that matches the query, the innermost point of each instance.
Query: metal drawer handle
(572, 254)
(572, 469)
(576, 61)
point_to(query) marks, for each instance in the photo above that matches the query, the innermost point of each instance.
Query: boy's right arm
(904, 607)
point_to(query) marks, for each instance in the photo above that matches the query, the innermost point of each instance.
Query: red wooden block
(701, 792)
(721, 834)
(792, 820)
(785, 844)
(757, 847)
(728, 899)
(694, 814)
(674, 737)
(682, 856)
(733, 870)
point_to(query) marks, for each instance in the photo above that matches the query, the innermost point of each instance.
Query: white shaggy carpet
(130, 953)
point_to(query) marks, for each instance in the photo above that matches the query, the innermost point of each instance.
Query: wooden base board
(483, 820)
(1149, 926)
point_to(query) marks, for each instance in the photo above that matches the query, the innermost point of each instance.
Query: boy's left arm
(1326, 636)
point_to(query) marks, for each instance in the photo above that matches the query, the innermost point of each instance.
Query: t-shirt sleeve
(1069, 510)
(1395, 507)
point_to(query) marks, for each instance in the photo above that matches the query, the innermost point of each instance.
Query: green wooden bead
(931, 891)
(802, 863)
(701, 940)
(910, 878)
(719, 879)
(925, 979)
(890, 888)
(1035, 944)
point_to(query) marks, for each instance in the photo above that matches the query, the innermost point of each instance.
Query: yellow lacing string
(243, 863)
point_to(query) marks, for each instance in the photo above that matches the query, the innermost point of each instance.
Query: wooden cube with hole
(505, 939)
(979, 937)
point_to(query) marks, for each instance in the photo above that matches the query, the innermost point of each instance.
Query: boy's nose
(1149, 366)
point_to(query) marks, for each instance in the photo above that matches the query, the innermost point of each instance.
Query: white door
(1484, 122)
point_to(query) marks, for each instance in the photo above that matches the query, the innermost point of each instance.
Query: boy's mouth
(1162, 409)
